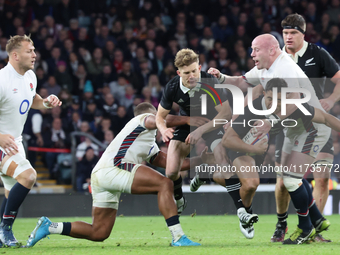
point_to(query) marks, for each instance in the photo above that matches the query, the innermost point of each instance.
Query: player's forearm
(188, 163)
(335, 96)
(160, 123)
(332, 122)
(223, 114)
(175, 120)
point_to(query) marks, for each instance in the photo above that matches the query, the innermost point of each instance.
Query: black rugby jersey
(243, 129)
(191, 106)
(316, 62)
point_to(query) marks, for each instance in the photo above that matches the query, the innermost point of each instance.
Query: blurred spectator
(41, 9)
(41, 77)
(120, 119)
(96, 64)
(167, 74)
(91, 111)
(117, 30)
(52, 86)
(129, 95)
(104, 125)
(109, 50)
(55, 137)
(47, 49)
(208, 40)
(159, 27)
(155, 86)
(159, 62)
(110, 106)
(111, 16)
(147, 97)
(52, 28)
(203, 62)
(194, 44)
(130, 76)
(63, 77)
(118, 60)
(83, 40)
(108, 137)
(141, 29)
(84, 169)
(3, 52)
(80, 78)
(64, 11)
(66, 99)
(117, 88)
(181, 36)
(101, 39)
(104, 79)
(334, 11)
(222, 31)
(32, 133)
(39, 62)
(81, 148)
(130, 111)
(144, 73)
(68, 47)
(53, 61)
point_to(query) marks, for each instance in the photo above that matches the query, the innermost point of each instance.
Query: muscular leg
(250, 180)
(148, 181)
(177, 152)
(282, 197)
(321, 191)
(101, 227)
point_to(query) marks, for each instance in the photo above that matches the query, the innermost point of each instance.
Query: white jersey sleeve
(253, 76)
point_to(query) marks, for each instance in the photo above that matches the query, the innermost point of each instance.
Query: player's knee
(291, 184)
(250, 184)
(19, 167)
(100, 236)
(167, 184)
(322, 183)
(279, 184)
(172, 175)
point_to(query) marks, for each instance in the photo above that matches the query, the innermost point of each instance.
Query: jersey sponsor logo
(24, 106)
(308, 62)
(316, 148)
(180, 100)
(31, 86)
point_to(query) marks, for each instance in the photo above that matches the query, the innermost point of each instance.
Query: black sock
(233, 186)
(249, 209)
(3, 206)
(315, 214)
(66, 228)
(300, 201)
(178, 193)
(172, 220)
(282, 218)
(15, 198)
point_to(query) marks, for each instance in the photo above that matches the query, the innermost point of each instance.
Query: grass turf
(149, 235)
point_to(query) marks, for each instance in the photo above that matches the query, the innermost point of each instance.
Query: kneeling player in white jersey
(17, 95)
(120, 170)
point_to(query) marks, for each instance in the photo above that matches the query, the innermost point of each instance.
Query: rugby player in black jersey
(185, 90)
(317, 64)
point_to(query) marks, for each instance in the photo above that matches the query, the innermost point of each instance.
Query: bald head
(265, 50)
(267, 41)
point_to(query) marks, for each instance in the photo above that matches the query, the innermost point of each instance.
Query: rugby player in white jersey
(120, 169)
(17, 95)
(301, 146)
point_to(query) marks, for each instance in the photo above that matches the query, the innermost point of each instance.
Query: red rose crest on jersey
(31, 86)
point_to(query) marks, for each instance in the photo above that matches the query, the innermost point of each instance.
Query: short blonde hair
(185, 57)
(15, 42)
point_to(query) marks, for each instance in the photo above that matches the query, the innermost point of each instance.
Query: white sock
(56, 228)
(176, 232)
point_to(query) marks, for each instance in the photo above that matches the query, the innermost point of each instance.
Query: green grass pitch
(149, 235)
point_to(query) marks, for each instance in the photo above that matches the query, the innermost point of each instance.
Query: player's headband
(296, 27)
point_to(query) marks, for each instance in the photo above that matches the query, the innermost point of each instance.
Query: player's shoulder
(5, 76)
(316, 50)
(173, 84)
(206, 75)
(30, 74)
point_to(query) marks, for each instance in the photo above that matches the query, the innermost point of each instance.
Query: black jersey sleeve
(167, 100)
(328, 64)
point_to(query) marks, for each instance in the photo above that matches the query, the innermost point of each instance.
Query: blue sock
(300, 201)
(3, 206)
(314, 212)
(15, 198)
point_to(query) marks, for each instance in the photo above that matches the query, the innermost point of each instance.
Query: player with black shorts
(317, 63)
(187, 90)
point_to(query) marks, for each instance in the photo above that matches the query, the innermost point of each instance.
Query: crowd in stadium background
(104, 57)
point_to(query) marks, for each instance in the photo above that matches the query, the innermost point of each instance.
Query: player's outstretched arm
(232, 141)
(327, 119)
(49, 102)
(167, 133)
(224, 113)
(175, 120)
(205, 157)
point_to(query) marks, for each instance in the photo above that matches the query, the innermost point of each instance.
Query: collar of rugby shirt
(299, 53)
